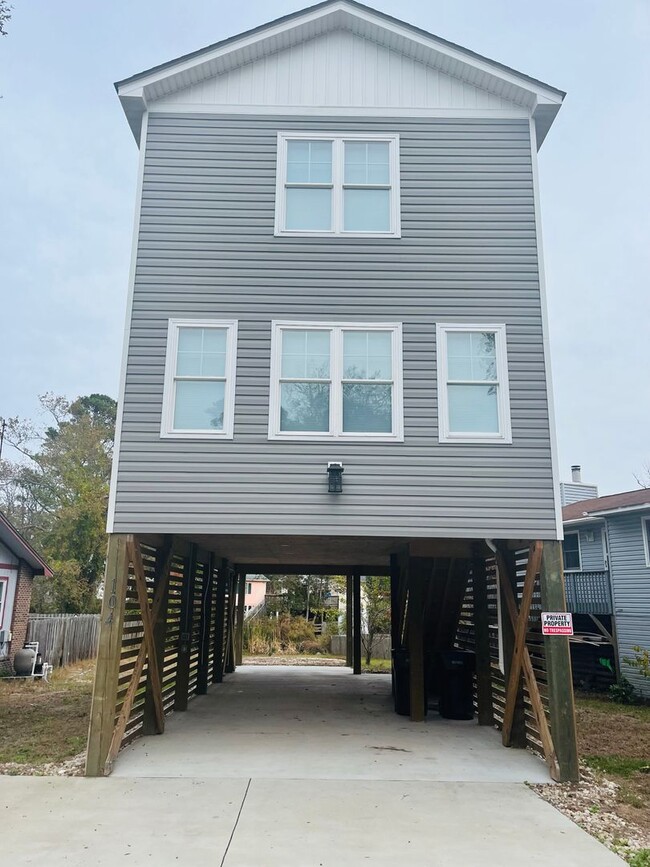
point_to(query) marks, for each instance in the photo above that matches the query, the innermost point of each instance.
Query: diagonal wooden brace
(522, 659)
(147, 647)
(520, 625)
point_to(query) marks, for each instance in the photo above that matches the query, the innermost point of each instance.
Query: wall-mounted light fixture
(334, 477)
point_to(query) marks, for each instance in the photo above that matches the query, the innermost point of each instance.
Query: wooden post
(508, 573)
(220, 622)
(482, 640)
(558, 666)
(356, 629)
(348, 620)
(161, 584)
(185, 639)
(102, 713)
(420, 569)
(229, 666)
(241, 597)
(206, 617)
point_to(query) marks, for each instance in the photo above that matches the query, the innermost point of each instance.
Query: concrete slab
(76, 822)
(292, 722)
(298, 767)
(384, 824)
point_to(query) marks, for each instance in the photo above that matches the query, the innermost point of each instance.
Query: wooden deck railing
(588, 592)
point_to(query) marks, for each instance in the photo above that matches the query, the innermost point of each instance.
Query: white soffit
(342, 54)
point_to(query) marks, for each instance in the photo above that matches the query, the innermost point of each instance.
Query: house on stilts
(336, 361)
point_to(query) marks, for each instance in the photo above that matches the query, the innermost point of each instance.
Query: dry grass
(614, 740)
(41, 723)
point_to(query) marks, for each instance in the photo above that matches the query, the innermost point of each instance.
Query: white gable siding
(338, 69)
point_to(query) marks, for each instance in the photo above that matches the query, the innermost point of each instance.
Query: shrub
(623, 692)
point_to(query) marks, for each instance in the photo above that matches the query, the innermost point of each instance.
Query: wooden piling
(558, 666)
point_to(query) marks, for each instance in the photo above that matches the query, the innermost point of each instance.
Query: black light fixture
(334, 477)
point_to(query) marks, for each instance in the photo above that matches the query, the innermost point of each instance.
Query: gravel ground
(594, 804)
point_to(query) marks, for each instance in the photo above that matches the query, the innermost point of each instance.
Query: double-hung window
(337, 185)
(199, 392)
(336, 381)
(473, 393)
(571, 549)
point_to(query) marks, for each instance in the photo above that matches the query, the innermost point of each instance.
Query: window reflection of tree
(367, 407)
(488, 351)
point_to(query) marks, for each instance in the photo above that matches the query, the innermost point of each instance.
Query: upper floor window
(337, 185)
(199, 392)
(336, 381)
(473, 393)
(571, 549)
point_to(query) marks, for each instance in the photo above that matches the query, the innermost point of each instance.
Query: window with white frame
(645, 527)
(3, 593)
(473, 392)
(571, 549)
(199, 393)
(337, 184)
(336, 381)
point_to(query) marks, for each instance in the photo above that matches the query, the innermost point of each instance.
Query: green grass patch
(45, 722)
(621, 766)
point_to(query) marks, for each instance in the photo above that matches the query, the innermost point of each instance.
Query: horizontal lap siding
(467, 253)
(631, 588)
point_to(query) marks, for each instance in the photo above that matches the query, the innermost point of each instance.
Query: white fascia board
(586, 520)
(623, 510)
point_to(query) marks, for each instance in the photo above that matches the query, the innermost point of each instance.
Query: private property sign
(557, 623)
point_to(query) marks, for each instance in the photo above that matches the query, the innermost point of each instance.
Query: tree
(57, 496)
(5, 16)
(376, 618)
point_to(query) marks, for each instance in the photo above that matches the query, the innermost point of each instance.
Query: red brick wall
(22, 601)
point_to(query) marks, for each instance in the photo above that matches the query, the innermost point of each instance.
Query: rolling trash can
(456, 672)
(401, 681)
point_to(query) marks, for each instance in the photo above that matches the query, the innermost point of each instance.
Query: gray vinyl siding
(630, 586)
(467, 254)
(574, 492)
(592, 553)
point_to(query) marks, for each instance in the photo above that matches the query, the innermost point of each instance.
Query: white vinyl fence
(64, 638)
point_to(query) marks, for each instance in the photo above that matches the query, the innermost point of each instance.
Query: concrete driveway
(298, 767)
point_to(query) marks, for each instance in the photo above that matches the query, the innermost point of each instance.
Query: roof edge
(352, 5)
(23, 550)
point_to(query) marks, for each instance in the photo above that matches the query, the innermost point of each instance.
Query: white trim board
(336, 111)
(112, 494)
(543, 302)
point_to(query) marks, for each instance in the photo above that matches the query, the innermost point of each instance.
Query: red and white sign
(557, 623)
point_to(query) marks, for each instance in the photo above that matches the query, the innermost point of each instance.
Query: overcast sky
(68, 163)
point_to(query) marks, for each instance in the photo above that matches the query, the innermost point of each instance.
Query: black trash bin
(401, 681)
(456, 672)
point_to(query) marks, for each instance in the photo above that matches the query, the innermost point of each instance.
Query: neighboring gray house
(607, 569)
(336, 354)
